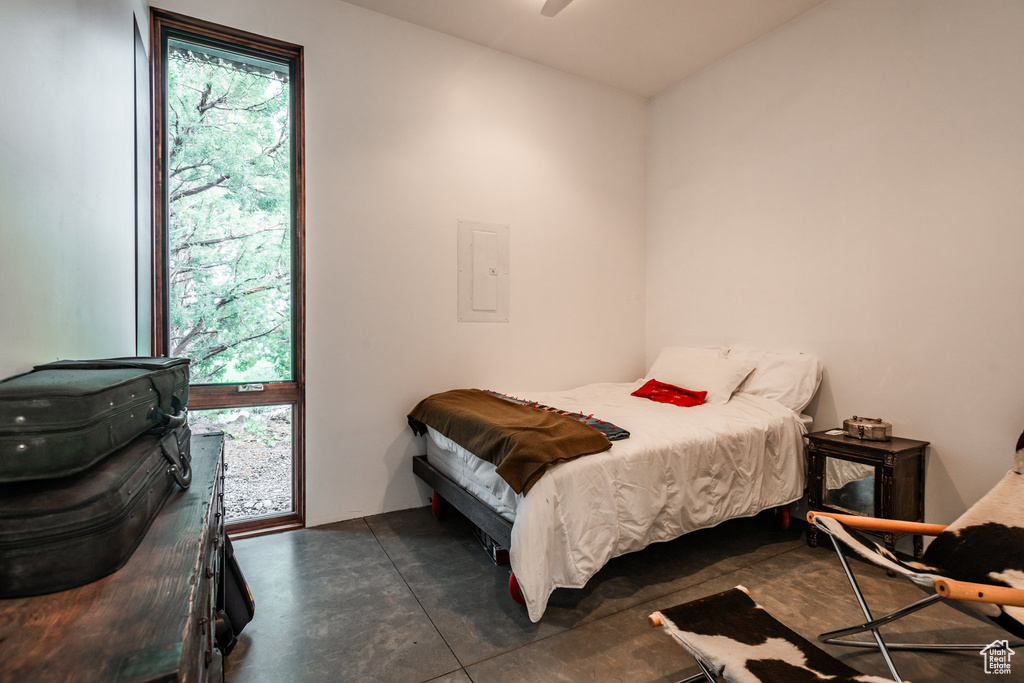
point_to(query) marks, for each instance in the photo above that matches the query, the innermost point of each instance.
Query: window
(229, 252)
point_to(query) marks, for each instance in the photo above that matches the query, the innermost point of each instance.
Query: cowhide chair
(732, 637)
(977, 561)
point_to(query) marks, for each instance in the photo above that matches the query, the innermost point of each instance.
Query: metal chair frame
(944, 589)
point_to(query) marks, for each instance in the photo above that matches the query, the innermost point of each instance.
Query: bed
(681, 468)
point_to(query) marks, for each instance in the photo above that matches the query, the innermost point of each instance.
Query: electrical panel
(483, 272)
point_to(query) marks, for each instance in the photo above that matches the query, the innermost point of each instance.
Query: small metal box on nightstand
(883, 479)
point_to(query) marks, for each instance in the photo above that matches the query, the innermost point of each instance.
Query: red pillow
(667, 393)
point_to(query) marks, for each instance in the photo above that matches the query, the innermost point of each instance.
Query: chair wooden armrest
(980, 592)
(874, 524)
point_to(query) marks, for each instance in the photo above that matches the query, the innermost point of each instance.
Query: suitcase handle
(174, 421)
(166, 422)
(184, 479)
(181, 468)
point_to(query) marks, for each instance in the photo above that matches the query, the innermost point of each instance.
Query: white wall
(408, 131)
(67, 217)
(848, 186)
(851, 186)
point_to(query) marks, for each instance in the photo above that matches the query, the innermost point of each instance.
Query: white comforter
(680, 470)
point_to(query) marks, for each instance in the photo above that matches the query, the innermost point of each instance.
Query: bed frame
(486, 519)
(489, 521)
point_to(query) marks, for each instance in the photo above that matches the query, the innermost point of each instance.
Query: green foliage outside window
(229, 194)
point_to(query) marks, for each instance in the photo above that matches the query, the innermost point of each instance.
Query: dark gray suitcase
(63, 417)
(56, 534)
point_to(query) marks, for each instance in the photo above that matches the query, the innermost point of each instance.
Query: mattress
(682, 469)
(477, 476)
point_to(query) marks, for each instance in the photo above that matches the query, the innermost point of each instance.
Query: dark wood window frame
(162, 25)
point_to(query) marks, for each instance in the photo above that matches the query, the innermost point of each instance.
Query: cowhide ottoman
(733, 637)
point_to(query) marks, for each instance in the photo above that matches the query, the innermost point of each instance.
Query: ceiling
(640, 46)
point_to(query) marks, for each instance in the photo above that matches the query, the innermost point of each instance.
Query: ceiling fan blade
(553, 7)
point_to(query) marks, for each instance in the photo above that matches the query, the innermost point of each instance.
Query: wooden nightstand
(882, 479)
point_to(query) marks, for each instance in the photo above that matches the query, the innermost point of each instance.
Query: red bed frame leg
(513, 589)
(783, 517)
(437, 505)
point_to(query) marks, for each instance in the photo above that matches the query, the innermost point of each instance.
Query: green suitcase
(64, 417)
(56, 534)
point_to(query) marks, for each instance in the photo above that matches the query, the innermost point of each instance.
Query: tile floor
(406, 598)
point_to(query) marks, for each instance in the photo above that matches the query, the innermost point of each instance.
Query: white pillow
(789, 378)
(700, 370)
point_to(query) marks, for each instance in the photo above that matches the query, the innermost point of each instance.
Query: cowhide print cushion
(738, 640)
(985, 545)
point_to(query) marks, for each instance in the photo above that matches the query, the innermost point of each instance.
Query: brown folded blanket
(519, 440)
